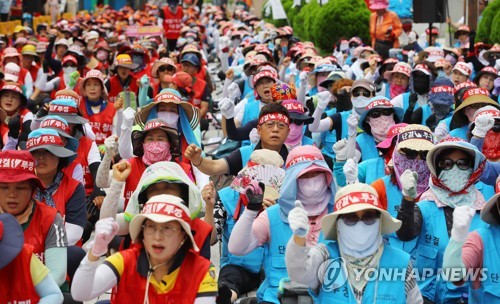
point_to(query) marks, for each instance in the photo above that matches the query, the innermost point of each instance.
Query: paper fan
(270, 175)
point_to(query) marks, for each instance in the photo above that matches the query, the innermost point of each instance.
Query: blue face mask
(285, 50)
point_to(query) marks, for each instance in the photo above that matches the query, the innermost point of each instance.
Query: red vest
(172, 23)
(34, 72)
(202, 231)
(39, 227)
(198, 89)
(116, 87)
(4, 127)
(102, 123)
(16, 285)
(22, 76)
(82, 153)
(64, 192)
(132, 286)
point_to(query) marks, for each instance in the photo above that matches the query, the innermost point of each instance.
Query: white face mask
(455, 178)
(360, 102)
(170, 118)
(314, 194)
(360, 240)
(68, 70)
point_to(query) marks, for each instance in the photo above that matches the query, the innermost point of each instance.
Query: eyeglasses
(447, 164)
(271, 123)
(412, 154)
(377, 113)
(167, 68)
(165, 231)
(357, 93)
(369, 218)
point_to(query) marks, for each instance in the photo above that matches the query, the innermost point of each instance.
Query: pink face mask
(380, 126)
(295, 135)
(397, 89)
(156, 151)
(320, 79)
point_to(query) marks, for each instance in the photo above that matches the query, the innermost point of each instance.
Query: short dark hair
(274, 108)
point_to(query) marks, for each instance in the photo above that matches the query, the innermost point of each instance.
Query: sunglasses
(357, 93)
(369, 218)
(412, 154)
(447, 164)
(378, 113)
(297, 122)
(164, 68)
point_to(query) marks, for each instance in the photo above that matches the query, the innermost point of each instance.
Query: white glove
(324, 99)
(105, 230)
(111, 145)
(351, 171)
(128, 118)
(441, 131)
(303, 76)
(226, 106)
(483, 124)
(234, 91)
(340, 150)
(462, 217)
(254, 136)
(408, 182)
(298, 220)
(238, 53)
(352, 123)
(412, 37)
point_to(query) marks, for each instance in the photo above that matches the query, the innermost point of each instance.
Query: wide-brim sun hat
(333, 77)
(308, 154)
(415, 137)
(163, 209)
(11, 239)
(401, 68)
(379, 102)
(491, 207)
(49, 140)
(169, 96)
(156, 124)
(60, 125)
(125, 61)
(486, 71)
(296, 111)
(14, 87)
(67, 109)
(159, 63)
(471, 96)
(354, 198)
(18, 166)
(453, 143)
(94, 74)
(391, 134)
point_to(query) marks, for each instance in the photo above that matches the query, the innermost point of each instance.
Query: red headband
(62, 109)
(43, 141)
(55, 124)
(166, 209)
(443, 89)
(357, 198)
(274, 116)
(303, 158)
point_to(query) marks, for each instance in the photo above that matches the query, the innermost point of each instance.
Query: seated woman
(352, 232)
(14, 103)
(43, 226)
(163, 268)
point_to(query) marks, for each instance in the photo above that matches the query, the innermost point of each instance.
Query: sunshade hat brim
(24, 100)
(329, 222)
(489, 208)
(12, 241)
(131, 66)
(73, 119)
(304, 118)
(193, 113)
(435, 153)
(156, 66)
(58, 151)
(460, 119)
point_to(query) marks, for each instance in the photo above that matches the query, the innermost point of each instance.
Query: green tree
(486, 28)
(495, 28)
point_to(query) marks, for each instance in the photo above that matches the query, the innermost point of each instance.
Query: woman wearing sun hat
(399, 80)
(23, 278)
(308, 178)
(353, 232)
(486, 77)
(164, 267)
(42, 225)
(63, 192)
(14, 103)
(455, 167)
(123, 80)
(476, 251)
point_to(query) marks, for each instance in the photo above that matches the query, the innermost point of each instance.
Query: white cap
(91, 35)
(11, 72)
(62, 41)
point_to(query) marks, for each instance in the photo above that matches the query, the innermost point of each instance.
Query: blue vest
(376, 291)
(388, 90)
(247, 89)
(489, 292)
(431, 245)
(426, 112)
(460, 132)
(274, 256)
(406, 102)
(394, 197)
(447, 121)
(252, 261)
(367, 145)
(313, 91)
(246, 151)
(371, 170)
(328, 138)
(251, 110)
(307, 141)
(486, 190)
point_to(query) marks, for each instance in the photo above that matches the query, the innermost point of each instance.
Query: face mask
(455, 178)
(360, 102)
(491, 145)
(402, 163)
(235, 43)
(440, 111)
(421, 85)
(156, 151)
(344, 102)
(314, 194)
(102, 55)
(295, 135)
(360, 240)
(397, 89)
(320, 79)
(138, 59)
(380, 126)
(171, 119)
(68, 70)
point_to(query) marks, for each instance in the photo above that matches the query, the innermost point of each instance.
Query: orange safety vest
(132, 286)
(38, 228)
(16, 284)
(116, 87)
(102, 122)
(172, 23)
